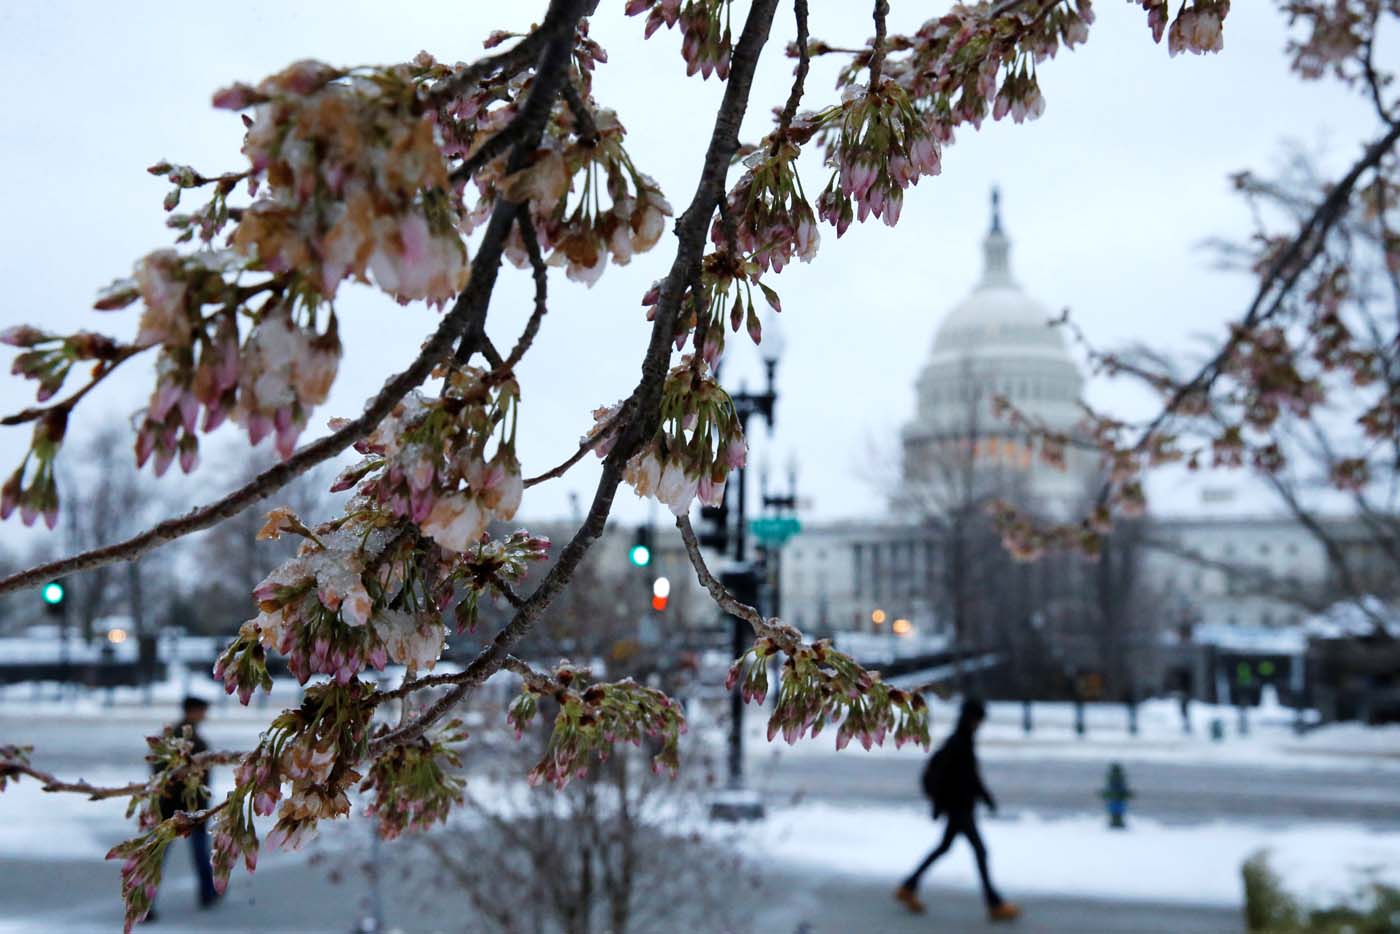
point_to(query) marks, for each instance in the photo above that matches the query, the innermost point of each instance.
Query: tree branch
(52, 783)
(799, 79)
(787, 638)
(642, 411)
(466, 321)
(507, 62)
(108, 366)
(877, 57)
(1284, 273)
(585, 126)
(540, 272)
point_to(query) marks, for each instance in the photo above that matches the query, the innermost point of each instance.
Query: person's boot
(1005, 911)
(909, 898)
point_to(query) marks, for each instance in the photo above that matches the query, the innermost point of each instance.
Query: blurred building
(995, 348)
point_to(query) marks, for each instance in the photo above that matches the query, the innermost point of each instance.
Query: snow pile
(1354, 618)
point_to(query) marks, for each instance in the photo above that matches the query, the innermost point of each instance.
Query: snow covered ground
(1079, 856)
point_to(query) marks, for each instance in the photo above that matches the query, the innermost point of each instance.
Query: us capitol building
(933, 569)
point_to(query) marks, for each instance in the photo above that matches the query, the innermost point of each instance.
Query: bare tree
(113, 500)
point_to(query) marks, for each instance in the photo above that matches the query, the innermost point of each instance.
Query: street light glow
(116, 636)
(661, 588)
(902, 627)
(877, 617)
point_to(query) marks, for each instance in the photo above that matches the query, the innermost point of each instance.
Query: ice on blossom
(411, 262)
(357, 183)
(643, 474)
(287, 369)
(164, 318)
(410, 639)
(455, 522)
(677, 488)
(577, 227)
(1198, 29)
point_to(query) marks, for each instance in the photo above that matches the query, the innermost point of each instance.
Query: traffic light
(640, 552)
(660, 593)
(53, 595)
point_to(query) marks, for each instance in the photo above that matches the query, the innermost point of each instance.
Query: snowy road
(1170, 793)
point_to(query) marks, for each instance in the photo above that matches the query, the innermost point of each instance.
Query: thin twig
(786, 637)
(492, 355)
(52, 783)
(540, 272)
(506, 62)
(877, 56)
(66, 405)
(588, 444)
(494, 147)
(799, 78)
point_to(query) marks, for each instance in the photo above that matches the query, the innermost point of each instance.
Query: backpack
(932, 778)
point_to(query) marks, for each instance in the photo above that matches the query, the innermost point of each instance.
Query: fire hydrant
(1115, 795)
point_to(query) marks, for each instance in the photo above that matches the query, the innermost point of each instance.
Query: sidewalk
(80, 897)
(845, 905)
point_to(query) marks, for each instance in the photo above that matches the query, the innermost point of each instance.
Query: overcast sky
(1106, 197)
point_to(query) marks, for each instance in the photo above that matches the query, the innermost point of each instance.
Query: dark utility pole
(742, 579)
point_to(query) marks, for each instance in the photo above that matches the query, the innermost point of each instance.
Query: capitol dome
(997, 342)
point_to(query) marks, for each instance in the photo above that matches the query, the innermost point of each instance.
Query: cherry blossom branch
(52, 783)
(465, 322)
(558, 25)
(1284, 272)
(507, 591)
(534, 678)
(465, 316)
(642, 410)
(786, 637)
(66, 405)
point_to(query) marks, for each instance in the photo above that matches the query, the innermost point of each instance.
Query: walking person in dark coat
(954, 785)
(195, 709)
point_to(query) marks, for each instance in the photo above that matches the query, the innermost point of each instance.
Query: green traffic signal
(640, 555)
(52, 593)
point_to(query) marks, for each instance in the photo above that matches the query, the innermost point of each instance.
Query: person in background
(194, 711)
(954, 785)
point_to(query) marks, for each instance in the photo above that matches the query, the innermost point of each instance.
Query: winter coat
(951, 779)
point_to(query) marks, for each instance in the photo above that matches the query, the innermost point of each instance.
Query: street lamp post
(742, 580)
